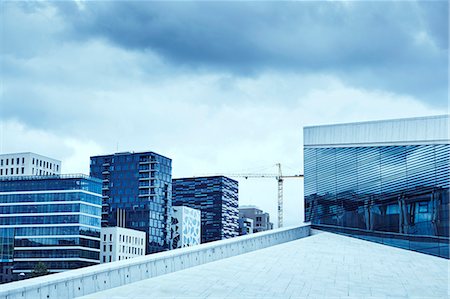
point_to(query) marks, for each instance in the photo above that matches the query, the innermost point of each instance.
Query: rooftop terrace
(322, 265)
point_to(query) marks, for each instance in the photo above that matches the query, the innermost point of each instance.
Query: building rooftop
(322, 265)
(406, 131)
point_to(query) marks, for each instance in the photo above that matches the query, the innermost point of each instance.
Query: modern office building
(119, 243)
(246, 226)
(23, 164)
(50, 219)
(217, 199)
(261, 220)
(185, 229)
(386, 181)
(137, 187)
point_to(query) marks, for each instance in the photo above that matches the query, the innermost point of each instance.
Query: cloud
(372, 44)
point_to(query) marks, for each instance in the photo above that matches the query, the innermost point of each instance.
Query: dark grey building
(217, 199)
(261, 219)
(137, 194)
(385, 181)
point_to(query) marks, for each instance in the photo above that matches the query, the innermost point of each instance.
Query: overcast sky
(219, 87)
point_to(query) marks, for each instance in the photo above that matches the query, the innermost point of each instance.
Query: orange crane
(279, 177)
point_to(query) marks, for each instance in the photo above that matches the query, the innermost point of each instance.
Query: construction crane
(279, 177)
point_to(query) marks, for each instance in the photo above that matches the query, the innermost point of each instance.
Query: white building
(246, 226)
(24, 164)
(185, 229)
(119, 243)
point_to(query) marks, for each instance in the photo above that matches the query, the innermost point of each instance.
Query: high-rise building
(50, 219)
(22, 164)
(119, 243)
(261, 220)
(386, 181)
(185, 230)
(137, 187)
(217, 199)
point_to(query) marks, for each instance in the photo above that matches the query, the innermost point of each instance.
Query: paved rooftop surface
(320, 266)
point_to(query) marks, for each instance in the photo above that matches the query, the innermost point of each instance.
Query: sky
(218, 87)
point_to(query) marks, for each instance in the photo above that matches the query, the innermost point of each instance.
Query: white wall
(418, 130)
(93, 279)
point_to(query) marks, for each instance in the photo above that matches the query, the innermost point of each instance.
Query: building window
(104, 259)
(1, 162)
(23, 170)
(6, 161)
(1, 171)
(104, 248)
(32, 161)
(104, 237)
(110, 237)
(110, 248)
(110, 258)
(17, 161)
(12, 161)
(23, 160)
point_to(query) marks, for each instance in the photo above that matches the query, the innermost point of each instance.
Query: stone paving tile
(321, 266)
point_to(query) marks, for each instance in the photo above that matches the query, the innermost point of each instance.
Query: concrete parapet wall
(80, 282)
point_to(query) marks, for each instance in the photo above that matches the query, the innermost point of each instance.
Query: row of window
(11, 160)
(53, 231)
(50, 197)
(59, 219)
(37, 162)
(57, 253)
(124, 249)
(125, 239)
(50, 208)
(22, 171)
(40, 242)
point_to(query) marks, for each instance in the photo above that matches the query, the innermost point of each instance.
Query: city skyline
(217, 87)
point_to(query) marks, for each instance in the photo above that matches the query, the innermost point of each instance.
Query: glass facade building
(384, 181)
(137, 194)
(217, 199)
(50, 219)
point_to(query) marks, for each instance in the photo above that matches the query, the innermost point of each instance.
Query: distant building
(54, 220)
(217, 199)
(137, 187)
(245, 226)
(386, 181)
(185, 230)
(119, 243)
(261, 220)
(23, 164)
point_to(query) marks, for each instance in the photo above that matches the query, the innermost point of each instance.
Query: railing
(52, 176)
(97, 278)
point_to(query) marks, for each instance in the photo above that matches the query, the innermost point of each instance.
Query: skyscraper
(217, 199)
(50, 219)
(137, 194)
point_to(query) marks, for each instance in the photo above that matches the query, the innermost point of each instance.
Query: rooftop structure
(385, 181)
(24, 164)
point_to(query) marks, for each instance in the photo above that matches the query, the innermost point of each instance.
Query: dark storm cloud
(386, 45)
